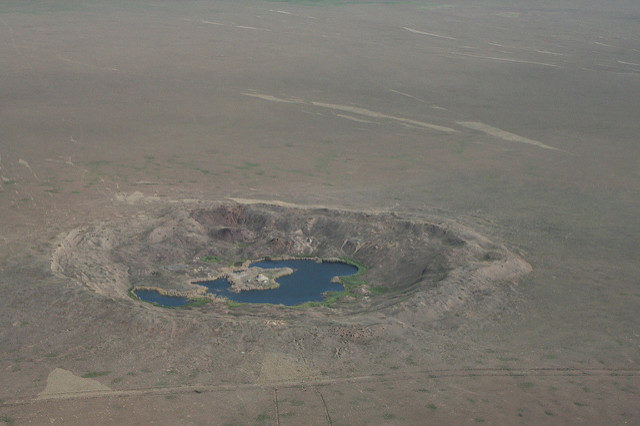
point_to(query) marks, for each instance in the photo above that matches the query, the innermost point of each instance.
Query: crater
(219, 255)
(294, 282)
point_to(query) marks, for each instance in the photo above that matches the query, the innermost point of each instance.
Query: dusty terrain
(512, 124)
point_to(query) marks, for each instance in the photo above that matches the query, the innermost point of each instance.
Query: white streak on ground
(408, 95)
(520, 61)
(629, 63)
(244, 27)
(546, 52)
(251, 28)
(354, 110)
(412, 30)
(503, 134)
(374, 114)
(25, 164)
(359, 120)
(274, 99)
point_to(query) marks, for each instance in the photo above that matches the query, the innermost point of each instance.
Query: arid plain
(511, 125)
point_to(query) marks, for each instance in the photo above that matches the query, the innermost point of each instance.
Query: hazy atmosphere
(476, 162)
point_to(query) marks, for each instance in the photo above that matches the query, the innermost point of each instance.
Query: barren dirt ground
(517, 119)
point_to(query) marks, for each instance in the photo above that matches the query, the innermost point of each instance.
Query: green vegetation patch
(4, 418)
(210, 259)
(351, 282)
(247, 165)
(379, 289)
(262, 418)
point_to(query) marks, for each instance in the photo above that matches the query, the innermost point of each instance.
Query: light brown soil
(119, 120)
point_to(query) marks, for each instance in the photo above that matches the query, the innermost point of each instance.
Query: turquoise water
(308, 283)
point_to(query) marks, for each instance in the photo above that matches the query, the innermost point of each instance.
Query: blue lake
(308, 283)
(160, 299)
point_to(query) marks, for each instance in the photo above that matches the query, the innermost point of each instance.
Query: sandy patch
(278, 367)
(502, 134)
(62, 383)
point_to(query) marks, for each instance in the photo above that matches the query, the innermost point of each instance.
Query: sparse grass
(247, 165)
(200, 301)
(262, 418)
(323, 162)
(233, 304)
(333, 296)
(6, 419)
(51, 355)
(548, 413)
(116, 380)
(431, 406)
(351, 282)
(132, 295)
(92, 374)
(525, 385)
(378, 289)
(579, 404)
(508, 359)
(388, 416)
